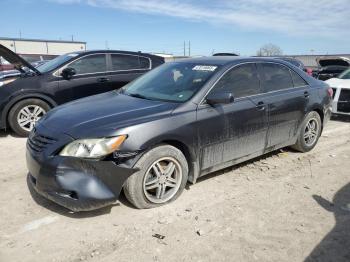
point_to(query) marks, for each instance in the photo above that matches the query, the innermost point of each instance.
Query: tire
(16, 115)
(135, 186)
(302, 144)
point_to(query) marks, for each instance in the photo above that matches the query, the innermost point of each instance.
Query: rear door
(124, 68)
(286, 100)
(231, 131)
(91, 78)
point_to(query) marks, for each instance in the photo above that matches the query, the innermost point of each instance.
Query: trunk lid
(333, 61)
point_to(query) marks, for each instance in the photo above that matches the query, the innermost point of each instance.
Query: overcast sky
(297, 26)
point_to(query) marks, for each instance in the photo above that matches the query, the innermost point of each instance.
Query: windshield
(345, 74)
(56, 62)
(174, 82)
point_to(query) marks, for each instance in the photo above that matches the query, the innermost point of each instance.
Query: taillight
(309, 71)
(330, 92)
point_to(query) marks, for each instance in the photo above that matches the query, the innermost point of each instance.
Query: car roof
(113, 51)
(225, 60)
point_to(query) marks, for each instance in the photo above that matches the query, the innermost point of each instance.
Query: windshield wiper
(137, 95)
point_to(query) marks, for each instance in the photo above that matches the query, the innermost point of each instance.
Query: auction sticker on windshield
(204, 68)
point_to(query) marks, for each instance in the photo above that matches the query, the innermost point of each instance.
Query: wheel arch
(12, 102)
(193, 167)
(319, 111)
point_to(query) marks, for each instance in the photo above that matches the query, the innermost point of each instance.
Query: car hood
(18, 62)
(333, 60)
(338, 83)
(101, 115)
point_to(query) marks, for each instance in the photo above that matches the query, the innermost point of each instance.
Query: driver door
(231, 131)
(91, 78)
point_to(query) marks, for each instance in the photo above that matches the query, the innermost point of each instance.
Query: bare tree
(269, 50)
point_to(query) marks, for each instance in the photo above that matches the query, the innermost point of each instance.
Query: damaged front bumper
(77, 184)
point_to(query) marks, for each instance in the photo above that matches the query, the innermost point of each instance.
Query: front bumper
(77, 184)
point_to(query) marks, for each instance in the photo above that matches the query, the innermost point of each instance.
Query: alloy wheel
(29, 115)
(311, 132)
(162, 180)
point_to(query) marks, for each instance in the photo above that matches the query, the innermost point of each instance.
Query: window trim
(56, 72)
(202, 102)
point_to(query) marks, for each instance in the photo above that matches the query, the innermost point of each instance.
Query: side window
(275, 77)
(241, 81)
(128, 62)
(297, 80)
(144, 63)
(90, 64)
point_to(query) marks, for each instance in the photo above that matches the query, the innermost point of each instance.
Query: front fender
(18, 97)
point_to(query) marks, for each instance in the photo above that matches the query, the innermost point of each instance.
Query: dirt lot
(275, 208)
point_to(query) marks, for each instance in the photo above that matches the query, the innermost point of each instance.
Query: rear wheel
(162, 177)
(310, 132)
(24, 115)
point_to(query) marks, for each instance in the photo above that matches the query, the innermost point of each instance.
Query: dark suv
(25, 98)
(176, 123)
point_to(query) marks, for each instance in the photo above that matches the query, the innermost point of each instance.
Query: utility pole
(189, 48)
(184, 48)
(20, 34)
(72, 38)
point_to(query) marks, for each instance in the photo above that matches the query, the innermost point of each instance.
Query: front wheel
(310, 132)
(161, 179)
(24, 115)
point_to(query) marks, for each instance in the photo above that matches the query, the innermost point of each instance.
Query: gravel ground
(280, 207)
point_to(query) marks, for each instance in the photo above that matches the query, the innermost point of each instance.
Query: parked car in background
(176, 123)
(39, 63)
(9, 73)
(14, 72)
(330, 67)
(341, 93)
(225, 54)
(26, 97)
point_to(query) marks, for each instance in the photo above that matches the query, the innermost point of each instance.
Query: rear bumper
(79, 185)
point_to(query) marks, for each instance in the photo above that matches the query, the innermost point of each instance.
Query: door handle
(103, 79)
(306, 94)
(260, 105)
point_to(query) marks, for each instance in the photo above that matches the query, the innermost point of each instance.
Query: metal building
(40, 49)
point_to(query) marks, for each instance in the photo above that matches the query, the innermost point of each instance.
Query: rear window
(297, 79)
(129, 62)
(275, 77)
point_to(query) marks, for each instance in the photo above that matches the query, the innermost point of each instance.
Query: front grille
(38, 143)
(344, 101)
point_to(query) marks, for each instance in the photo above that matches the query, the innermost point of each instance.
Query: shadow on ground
(342, 118)
(237, 166)
(7, 133)
(335, 246)
(52, 206)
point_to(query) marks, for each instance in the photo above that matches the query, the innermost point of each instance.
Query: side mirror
(68, 73)
(220, 98)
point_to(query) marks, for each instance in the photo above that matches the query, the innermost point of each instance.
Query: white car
(341, 93)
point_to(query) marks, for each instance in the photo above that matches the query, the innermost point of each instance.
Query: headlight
(5, 82)
(93, 148)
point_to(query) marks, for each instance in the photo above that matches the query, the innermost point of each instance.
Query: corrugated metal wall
(42, 47)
